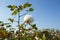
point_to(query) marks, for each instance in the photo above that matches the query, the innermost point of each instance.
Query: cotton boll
(36, 38)
(28, 19)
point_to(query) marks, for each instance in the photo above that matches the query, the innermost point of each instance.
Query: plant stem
(18, 26)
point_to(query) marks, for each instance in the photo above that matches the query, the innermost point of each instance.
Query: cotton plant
(28, 19)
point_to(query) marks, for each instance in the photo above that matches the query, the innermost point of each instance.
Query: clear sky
(46, 12)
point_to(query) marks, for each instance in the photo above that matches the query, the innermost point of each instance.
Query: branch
(23, 14)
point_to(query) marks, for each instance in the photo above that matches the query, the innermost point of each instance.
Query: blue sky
(46, 12)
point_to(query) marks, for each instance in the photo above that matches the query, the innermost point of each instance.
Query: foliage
(12, 7)
(16, 9)
(30, 34)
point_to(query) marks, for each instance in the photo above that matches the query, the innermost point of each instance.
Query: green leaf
(1, 22)
(8, 26)
(30, 9)
(34, 26)
(44, 38)
(9, 6)
(29, 38)
(21, 7)
(15, 12)
(12, 7)
(27, 5)
(11, 20)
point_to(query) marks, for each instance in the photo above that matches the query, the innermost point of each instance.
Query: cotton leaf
(15, 12)
(1, 22)
(34, 26)
(11, 20)
(30, 9)
(8, 26)
(21, 7)
(27, 5)
(44, 37)
(12, 7)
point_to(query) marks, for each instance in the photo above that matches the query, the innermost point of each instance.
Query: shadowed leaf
(8, 26)
(11, 20)
(1, 22)
(34, 26)
(30, 9)
(21, 7)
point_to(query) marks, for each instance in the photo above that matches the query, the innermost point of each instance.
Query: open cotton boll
(36, 38)
(28, 19)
